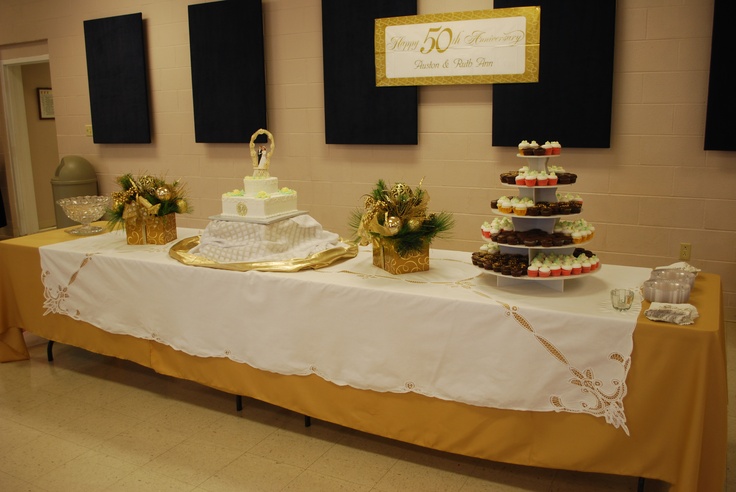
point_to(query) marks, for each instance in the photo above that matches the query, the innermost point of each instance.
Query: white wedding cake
(260, 223)
(260, 197)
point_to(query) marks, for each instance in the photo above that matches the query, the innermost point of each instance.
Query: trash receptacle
(74, 176)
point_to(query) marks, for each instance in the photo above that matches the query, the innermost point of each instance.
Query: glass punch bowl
(85, 210)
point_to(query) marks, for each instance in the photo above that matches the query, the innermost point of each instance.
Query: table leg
(50, 351)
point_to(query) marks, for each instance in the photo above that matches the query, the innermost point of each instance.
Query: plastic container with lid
(674, 274)
(664, 290)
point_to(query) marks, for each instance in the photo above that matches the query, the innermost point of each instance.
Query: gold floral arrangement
(146, 195)
(398, 216)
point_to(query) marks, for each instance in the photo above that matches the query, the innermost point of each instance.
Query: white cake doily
(241, 242)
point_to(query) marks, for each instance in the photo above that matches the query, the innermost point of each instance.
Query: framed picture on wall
(45, 104)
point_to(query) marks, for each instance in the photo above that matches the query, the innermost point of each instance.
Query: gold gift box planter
(151, 229)
(146, 208)
(385, 256)
(395, 221)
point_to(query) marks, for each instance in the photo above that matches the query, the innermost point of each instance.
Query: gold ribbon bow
(139, 208)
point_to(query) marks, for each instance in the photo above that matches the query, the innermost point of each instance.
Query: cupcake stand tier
(547, 224)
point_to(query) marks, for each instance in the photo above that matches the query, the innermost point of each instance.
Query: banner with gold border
(457, 48)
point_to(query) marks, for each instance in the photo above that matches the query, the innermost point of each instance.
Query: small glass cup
(622, 299)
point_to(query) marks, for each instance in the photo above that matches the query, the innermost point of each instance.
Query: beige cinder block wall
(653, 189)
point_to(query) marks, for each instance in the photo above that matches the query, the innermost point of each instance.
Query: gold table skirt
(676, 402)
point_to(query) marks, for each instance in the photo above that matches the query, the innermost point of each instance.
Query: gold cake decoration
(261, 156)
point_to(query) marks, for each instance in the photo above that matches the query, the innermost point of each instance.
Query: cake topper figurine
(262, 157)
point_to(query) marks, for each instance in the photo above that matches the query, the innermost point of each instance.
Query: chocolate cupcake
(509, 177)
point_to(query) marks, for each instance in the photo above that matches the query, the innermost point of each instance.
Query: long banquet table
(675, 406)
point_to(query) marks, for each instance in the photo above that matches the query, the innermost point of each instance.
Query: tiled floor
(87, 422)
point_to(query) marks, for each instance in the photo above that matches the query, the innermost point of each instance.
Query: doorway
(33, 152)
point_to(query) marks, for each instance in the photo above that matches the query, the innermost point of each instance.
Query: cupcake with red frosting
(485, 230)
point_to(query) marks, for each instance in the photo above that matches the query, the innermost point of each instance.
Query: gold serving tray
(180, 252)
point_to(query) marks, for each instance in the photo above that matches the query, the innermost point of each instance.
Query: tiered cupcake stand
(546, 193)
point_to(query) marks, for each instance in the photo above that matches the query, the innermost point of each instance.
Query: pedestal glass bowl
(85, 210)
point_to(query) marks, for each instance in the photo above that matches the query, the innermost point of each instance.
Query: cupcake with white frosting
(525, 148)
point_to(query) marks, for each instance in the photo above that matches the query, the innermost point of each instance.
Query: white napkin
(680, 265)
(681, 314)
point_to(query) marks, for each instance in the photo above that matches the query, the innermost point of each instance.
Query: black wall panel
(721, 95)
(356, 111)
(571, 102)
(118, 85)
(228, 75)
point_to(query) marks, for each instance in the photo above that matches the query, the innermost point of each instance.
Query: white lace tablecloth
(447, 333)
